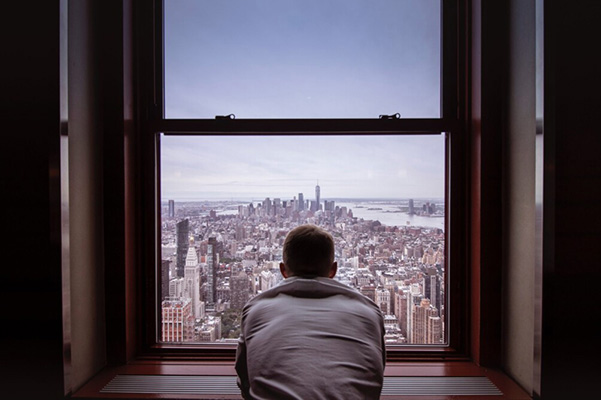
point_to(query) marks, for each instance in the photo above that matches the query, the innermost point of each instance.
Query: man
(310, 337)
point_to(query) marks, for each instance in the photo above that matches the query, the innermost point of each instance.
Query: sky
(302, 59)
(256, 167)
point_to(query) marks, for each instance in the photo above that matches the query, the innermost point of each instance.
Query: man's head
(308, 252)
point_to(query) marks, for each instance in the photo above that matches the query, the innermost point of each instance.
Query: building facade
(177, 322)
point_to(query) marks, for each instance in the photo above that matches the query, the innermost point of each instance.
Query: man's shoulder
(314, 288)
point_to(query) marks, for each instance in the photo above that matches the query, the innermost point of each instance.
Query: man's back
(311, 339)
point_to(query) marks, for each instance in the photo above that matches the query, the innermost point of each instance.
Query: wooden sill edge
(91, 390)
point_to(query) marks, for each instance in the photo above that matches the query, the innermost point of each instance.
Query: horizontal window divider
(303, 126)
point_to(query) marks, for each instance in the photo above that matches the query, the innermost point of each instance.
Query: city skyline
(254, 167)
(231, 258)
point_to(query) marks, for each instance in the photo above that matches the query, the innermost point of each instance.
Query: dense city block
(216, 255)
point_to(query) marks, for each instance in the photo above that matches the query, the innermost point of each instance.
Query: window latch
(221, 117)
(392, 116)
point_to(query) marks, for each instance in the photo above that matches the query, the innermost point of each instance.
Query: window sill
(92, 390)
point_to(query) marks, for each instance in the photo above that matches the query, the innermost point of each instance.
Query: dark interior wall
(504, 113)
(32, 352)
(519, 196)
(51, 84)
(86, 210)
(571, 200)
(488, 105)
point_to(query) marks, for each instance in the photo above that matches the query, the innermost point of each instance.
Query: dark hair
(308, 251)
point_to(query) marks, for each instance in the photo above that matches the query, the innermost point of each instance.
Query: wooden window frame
(131, 330)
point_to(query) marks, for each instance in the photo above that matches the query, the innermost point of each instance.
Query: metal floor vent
(226, 385)
(439, 385)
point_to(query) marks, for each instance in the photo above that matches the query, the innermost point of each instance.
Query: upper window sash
(448, 94)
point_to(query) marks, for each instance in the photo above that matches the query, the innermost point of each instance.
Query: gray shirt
(311, 339)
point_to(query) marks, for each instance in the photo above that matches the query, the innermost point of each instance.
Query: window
(314, 138)
(302, 59)
(227, 203)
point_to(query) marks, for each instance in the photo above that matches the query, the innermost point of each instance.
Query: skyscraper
(414, 297)
(426, 324)
(192, 281)
(240, 284)
(183, 242)
(400, 310)
(165, 278)
(432, 287)
(434, 330)
(301, 202)
(176, 287)
(212, 270)
(317, 194)
(171, 209)
(267, 206)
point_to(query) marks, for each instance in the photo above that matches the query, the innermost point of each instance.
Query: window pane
(229, 201)
(302, 58)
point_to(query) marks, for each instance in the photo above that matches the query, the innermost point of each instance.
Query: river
(388, 214)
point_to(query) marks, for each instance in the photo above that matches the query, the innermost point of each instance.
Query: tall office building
(212, 260)
(192, 282)
(301, 202)
(183, 242)
(426, 324)
(431, 284)
(414, 297)
(411, 207)
(434, 330)
(267, 207)
(329, 205)
(165, 264)
(391, 289)
(176, 287)
(240, 284)
(317, 194)
(400, 310)
(171, 209)
(177, 323)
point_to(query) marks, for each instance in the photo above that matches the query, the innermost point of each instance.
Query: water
(389, 214)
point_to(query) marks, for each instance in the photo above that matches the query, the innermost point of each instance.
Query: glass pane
(302, 58)
(229, 201)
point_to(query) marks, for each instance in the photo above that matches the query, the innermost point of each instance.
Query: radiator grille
(226, 385)
(439, 385)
